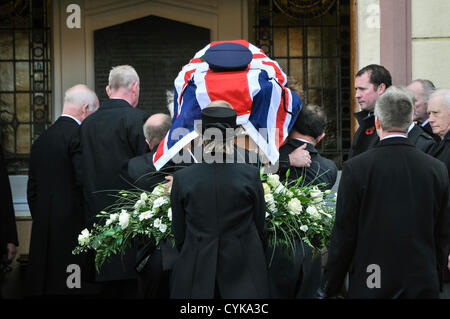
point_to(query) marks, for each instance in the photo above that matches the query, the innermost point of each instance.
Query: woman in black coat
(218, 214)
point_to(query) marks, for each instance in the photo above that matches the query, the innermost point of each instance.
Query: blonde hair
(218, 146)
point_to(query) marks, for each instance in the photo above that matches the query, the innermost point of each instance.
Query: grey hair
(79, 95)
(445, 93)
(427, 88)
(122, 76)
(394, 109)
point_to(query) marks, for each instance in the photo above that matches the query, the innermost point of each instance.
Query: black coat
(55, 202)
(427, 128)
(422, 140)
(392, 211)
(141, 172)
(294, 276)
(365, 136)
(299, 276)
(442, 153)
(218, 213)
(322, 170)
(110, 137)
(8, 229)
(153, 272)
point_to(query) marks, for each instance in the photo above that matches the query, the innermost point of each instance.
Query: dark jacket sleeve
(136, 136)
(284, 162)
(442, 234)
(8, 229)
(178, 214)
(344, 235)
(31, 185)
(260, 210)
(76, 156)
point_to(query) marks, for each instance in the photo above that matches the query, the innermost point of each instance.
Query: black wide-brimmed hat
(228, 56)
(215, 119)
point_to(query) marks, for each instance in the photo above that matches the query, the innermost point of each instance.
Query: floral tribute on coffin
(294, 213)
(135, 219)
(297, 214)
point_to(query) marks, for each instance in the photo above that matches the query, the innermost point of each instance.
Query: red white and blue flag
(265, 107)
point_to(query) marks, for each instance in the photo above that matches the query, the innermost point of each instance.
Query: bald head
(80, 102)
(155, 128)
(422, 89)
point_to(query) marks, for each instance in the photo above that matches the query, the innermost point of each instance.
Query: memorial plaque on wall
(156, 47)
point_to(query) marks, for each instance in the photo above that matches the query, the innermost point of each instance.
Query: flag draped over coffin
(265, 107)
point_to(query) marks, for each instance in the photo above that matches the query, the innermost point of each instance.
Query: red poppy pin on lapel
(369, 131)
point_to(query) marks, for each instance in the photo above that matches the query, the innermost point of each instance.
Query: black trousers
(153, 281)
(119, 289)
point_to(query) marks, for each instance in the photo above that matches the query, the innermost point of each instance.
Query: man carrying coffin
(388, 235)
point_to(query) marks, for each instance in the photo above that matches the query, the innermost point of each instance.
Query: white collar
(393, 135)
(73, 118)
(302, 140)
(425, 122)
(411, 127)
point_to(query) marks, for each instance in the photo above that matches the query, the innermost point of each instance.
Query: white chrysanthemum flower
(273, 180)
(162, 228)
(157, 223)
(146, 215)
(316, 195)
(124, 219)
(144, 196)
(112, 218)
(158, 191)
(268, 198)
(159, 202)
(280, 189)
(83, 238)
(139, 203)
(312, 211)
(304, 228)
(295, 206)
(270, 202)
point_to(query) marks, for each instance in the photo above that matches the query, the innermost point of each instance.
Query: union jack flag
(265, 107)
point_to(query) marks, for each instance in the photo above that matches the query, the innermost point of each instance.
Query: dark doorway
(311, 42)
(156, 47)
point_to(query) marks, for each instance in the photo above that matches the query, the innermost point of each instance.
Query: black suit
(142, 173)
(55, 202)
(8, 230)
(219, 226)
(427, 128)
(321, 170)
(153, 272)
(392, 211)
(442, 153)
(442, 150)
(422, 140)
(365, 136)
(110, 137)
(299, 276)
